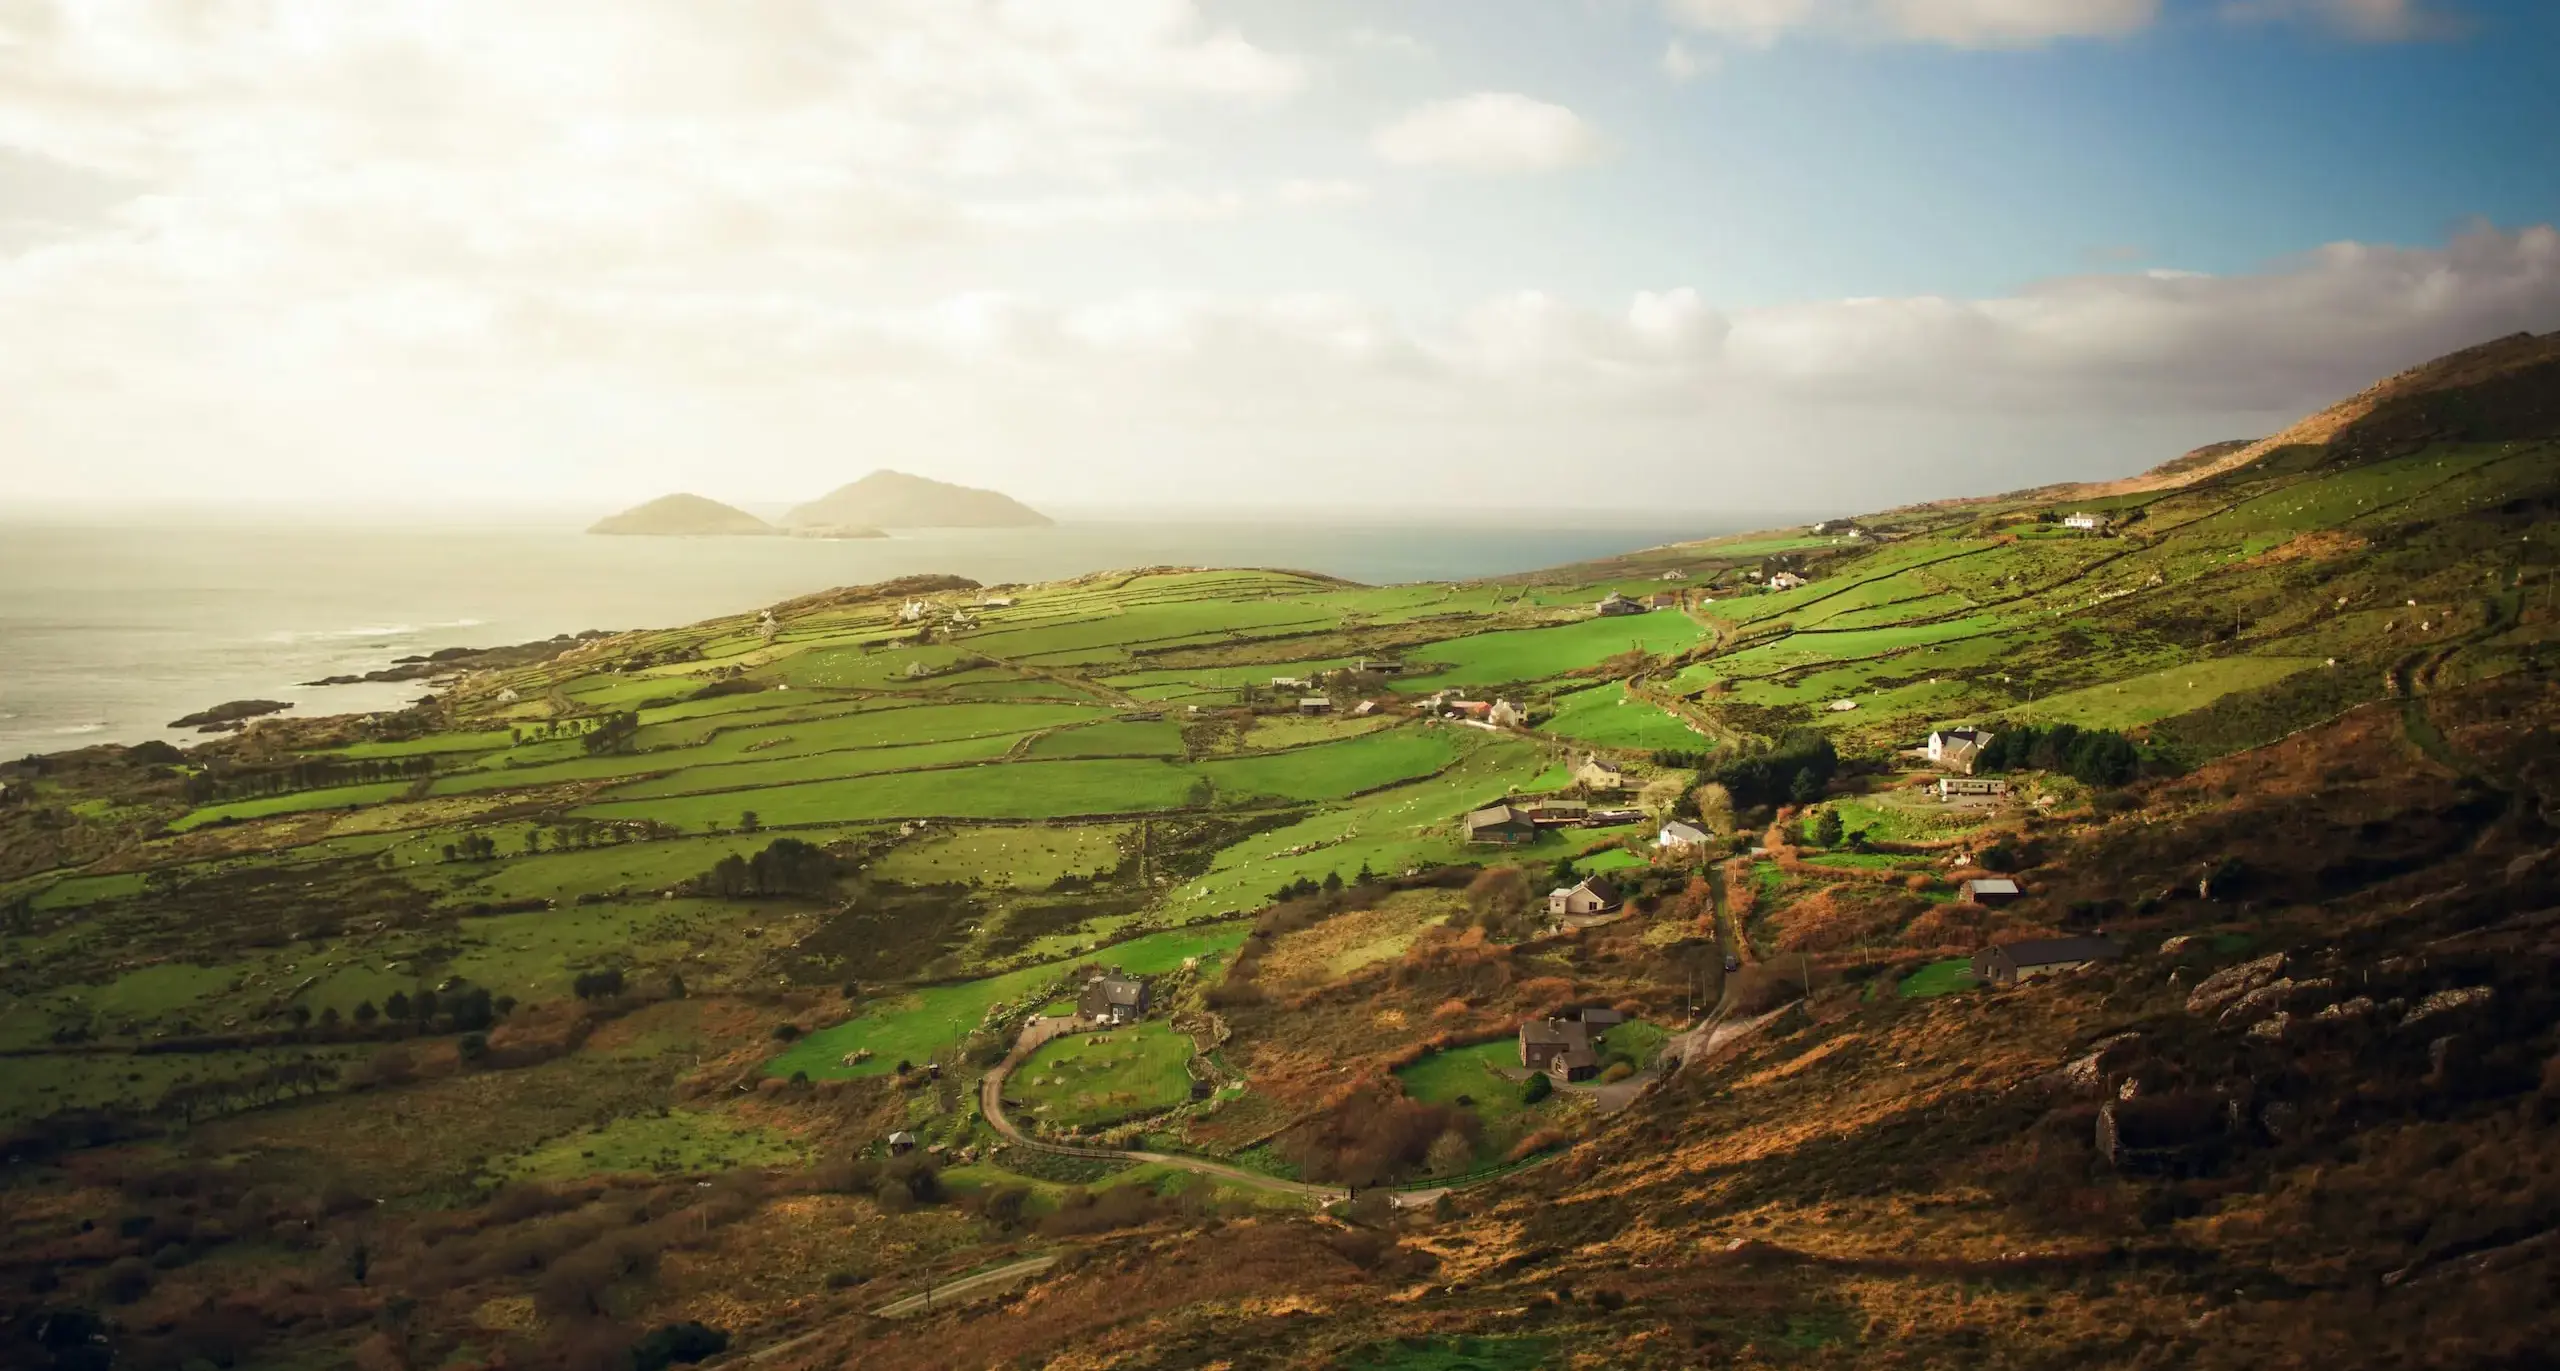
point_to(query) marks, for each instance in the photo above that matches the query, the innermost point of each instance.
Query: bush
(678, 1343)
(1538, 1088)
(1618, 1071)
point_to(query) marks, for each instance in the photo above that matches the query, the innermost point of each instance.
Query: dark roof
(1600, 889)
(1574, 1059)
(1499, 815)
(1571, 1033)
(2048, 951)
(1602, 1017)
(1127, 990)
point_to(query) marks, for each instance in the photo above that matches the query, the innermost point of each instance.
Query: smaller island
(685, 516)
(894, 499)
(223, 718)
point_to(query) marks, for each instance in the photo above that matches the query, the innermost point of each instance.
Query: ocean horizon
(110, 630)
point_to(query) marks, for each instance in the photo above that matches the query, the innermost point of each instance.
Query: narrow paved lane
(991, 1104)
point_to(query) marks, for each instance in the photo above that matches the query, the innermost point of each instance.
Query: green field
(1939, 978)
(1094, 1078)
(299, 802)
(1606, 716)
(1503, 658)
(915, 1026)
(679, 1142)
(1334, 770)
(1008, 790)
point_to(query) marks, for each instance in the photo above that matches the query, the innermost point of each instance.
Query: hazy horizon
(1714, 254)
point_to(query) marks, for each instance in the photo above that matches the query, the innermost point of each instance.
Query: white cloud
(1388, 41)
(1492, 132)
(2371, 21)
(1681, 63)
(1953, 23)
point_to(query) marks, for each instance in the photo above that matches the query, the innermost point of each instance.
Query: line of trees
(617, 733)
(311, 773)
(2091, 756)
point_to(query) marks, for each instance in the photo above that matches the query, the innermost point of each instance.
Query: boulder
(2232, 982)
(2446, 1002)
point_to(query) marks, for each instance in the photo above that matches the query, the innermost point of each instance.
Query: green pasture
(1328, 771)
(1939, 978)
(677, 1142)
(1271, 732)
(1029, 857)
(298, 802)
(916, 1025)
(1537, 654)
(746, 778)
(1093, 1078)
(565, 873)
(1112, 738)
(2152, 696)
(433, 744)
(1607, 716)
(993, 790)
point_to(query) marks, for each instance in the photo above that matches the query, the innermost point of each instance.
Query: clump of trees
(786, 868)
(617, 733)
(1796, 770)
(2091, 756)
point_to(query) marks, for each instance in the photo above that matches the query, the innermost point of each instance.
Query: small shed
(2010, 963)
(1615, 604)
(901, 1143)
(1507, 825)
(1315, 704)
(1991, 890)
(1955, 787)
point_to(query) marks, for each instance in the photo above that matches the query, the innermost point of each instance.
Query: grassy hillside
(583, 999)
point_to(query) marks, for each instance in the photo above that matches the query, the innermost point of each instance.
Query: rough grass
(1939, 978)
(1103, 1077)
(1023, 858)
(1014, 790)
(1606, 716)
(677, 1142)
(915, 1025)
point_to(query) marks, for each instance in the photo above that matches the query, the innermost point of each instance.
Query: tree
(675, 985)
(1806, 788)
(1450, 1152)
(748, 822)
(329, 1019)
(424, 1006)
(532, 841)
(1660, 797)
(1538, 1088)
(1333, 883)
(1825, 831)
(397, 1006)
(366, 1014)
(449, 852)
(1499, 899)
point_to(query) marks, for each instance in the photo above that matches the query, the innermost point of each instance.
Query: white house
(1954, 749)
(2091, 522)
(1599, 773)
(1678, 834)
(1594, 896)
(1505, 714)
(1785, 580)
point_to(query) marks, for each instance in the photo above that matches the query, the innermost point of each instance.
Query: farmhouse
(1593, 896)
(996, 602)
(1616, 604)
(1954, 749)
(1372, 666)
(1508, 825)
(1562, 1048)
(1505, 714)
(1951, 787)
(1675, 574)
(1663, 599)
(1315, 704)
(1598, 774)
(1114, 999)
(2091, 522)
(1291, 683)
(1678, 834)
(1991, 890)
(2010, 963)
(1785, 580)
(1364, 709)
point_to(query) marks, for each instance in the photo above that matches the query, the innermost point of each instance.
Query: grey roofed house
(1542, 1039)
(1678, 834)
(1314, 704)
(1114, 998)
(1554, 811)
(1504, 823)
(1574, 1064)
(1600, 1019)
(1991, 890)
(1615, 603)
(2010, 963)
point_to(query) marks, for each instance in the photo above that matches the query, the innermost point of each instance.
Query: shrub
(1618, 1071)
(678, 1344)
(1538, 1088)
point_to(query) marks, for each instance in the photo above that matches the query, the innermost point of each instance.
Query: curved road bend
(991, 1104)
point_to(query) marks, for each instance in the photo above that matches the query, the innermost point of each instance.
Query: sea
(108, 631)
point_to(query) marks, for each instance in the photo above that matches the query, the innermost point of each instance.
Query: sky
(1401, 254)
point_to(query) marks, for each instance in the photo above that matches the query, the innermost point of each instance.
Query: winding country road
(991, 1104)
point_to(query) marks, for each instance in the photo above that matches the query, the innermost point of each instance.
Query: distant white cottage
(2091, 522)
(1785, 580)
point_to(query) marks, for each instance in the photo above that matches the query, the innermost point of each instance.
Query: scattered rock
(2356, 1008)
(2272, 1026)
(2447, 1001)
(2232, 982)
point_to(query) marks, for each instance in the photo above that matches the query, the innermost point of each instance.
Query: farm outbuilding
(1114, 999)
(1956, 787)
(2010, 963)
(1508, 825)
(1991, 890)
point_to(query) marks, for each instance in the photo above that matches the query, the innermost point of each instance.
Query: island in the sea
(894, 499)
(681, 516)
